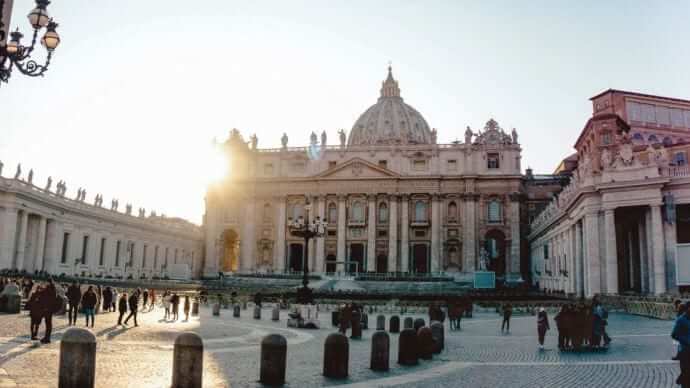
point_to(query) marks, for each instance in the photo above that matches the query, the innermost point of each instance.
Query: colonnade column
(657, 240)
(247, 239)
(515, 235)
(41, 244)
(591, 252)
(21, 243)
(8, 237)
(279, 252)
(393, 234)
(435, 233)
(341, 228)
(211, 261)
(320, 241)
(469, 236)
(572, 254)
(371, 234)
(611, 256)
(404, 234)
(644, 256)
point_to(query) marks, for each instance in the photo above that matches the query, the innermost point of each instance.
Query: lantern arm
(32, 68)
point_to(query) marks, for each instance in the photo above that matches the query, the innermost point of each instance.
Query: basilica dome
(390, 121)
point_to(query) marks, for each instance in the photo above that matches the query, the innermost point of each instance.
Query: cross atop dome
(389, 87)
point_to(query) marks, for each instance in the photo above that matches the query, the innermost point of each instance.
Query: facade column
(342, 219)
(371, 234)
(611, 254)
(644, 256)
(50, 251)
(279, 252)
(247, 239)
(591, 253)
(21, 243)
(435, 233)
(320, 241)
(657, 242)
(8, 238)
(572, 263)
(670, 241)
(515, 269)
(39, 264)
(393, 234)
(404, 234)
(578, 259)
(469, 236)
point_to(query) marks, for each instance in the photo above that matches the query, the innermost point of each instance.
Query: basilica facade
(394, 200)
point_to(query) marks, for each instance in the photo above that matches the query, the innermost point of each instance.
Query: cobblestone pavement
(477, 356)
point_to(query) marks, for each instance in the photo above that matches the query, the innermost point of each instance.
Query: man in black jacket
(89, 302)
(49, 305)
(74, 297)
(133, 307)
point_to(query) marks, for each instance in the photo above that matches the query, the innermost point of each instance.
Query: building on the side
(622, 224)
(43, 230)
(394, 199)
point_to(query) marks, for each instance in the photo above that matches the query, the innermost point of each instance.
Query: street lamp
(13, 54)
(301, 227)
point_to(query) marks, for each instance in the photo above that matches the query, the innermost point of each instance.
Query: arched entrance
(420, 258)
(231, 251)
(356, 256)
(296, 257)
(495, 245)
(382, 264)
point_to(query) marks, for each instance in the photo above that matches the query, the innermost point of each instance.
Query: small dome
(390, 120)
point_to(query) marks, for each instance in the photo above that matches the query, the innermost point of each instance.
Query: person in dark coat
(88, 303)
(175, 301)
(186, 307)
(542, 326)
(107, 298)
(561, 319)
(74, 297)
(122, 307)
(49, 305)
(133, 308)
(345, 318)
(507, 313)
(34, 306)
(146, 298)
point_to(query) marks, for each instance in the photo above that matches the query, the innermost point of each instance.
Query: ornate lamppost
(13, 54)
(301, 227)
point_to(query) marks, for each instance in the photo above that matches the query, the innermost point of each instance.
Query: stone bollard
(188, 361)
(380, 351)
(407, 347)
(408, 323)
(425, 343)
(216, 309)
(356, 325)
(276, 314)
(236, 311)
(13, 303)
(195, 308)
(394, 324)
(257, 312)
(336, 356)
(244, 305)
(77, 359)
(437, 332)
(381, 323)
(418, 323)
(273, 360)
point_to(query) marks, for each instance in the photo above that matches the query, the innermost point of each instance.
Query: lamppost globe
(13, 46)
(51, 39)
(38, 17)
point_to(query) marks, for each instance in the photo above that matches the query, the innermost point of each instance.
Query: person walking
(175, 301)
(152, 296)
(133, 302)
(560, 319)
(107, 299)
(166, 304)
(88, 303)
(114, 300)
(146, 298)
(542, 326)
(73, 297)
(49, 305)
(122, 307)
(34, 306)
(507, 313)
(681, 333)
(186, 308)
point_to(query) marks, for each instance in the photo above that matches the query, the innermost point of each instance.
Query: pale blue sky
(138, 89)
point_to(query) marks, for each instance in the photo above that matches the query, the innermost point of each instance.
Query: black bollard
(418, 323)
(408, 323)
(394, 324)
(273, 360)
(216, 310)
(407, 347)
(77, 359)
(276, 314)
(380, 351)
(425, 343)
(356, 325)
(437, 332)
(381, 323)
(188, 361)
(336, 356)
(236, 311)
(257, 312)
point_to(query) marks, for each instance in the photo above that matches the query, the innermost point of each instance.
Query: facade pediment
(357, 169)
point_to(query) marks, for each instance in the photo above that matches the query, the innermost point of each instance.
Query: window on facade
(546, 251)
(637, 137)
(65, 247)
(166, 257)
(357, 211)
(420, 213)
(175, 256)
(494, 211)
(492, 160)
(130, 248)
(667, 141)
(297, 211)
(383, 163)
(383, 213)
(332, 213)
(101, 254)
(84, 249)
(332, 163)
(419, 165)
(606, 138)
(117, 253)
(267, 212)
(452, 211)
(155, 257)
(268, 169)
(419, 233)
(452, 165)
(143, 260)
(653, 139)
(381, 233)
(679, 159)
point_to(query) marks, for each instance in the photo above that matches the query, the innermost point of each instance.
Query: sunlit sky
(138, 90)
